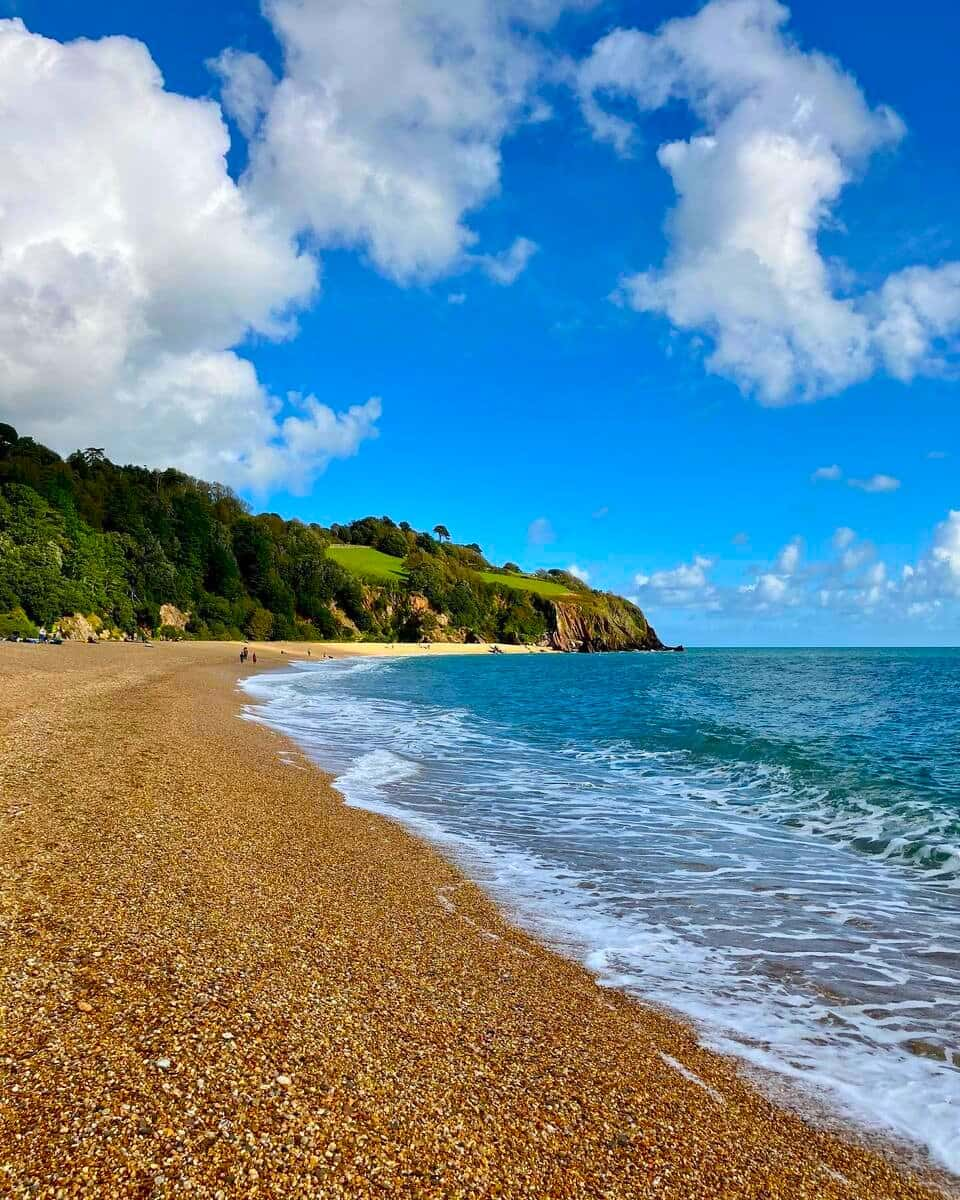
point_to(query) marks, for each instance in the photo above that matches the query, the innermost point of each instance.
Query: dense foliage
(82, 535)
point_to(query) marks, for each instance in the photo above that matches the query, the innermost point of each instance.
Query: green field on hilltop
(373, 566)
(367, 563)
(525, 583)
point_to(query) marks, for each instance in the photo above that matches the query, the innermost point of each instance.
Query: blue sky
(646, 395)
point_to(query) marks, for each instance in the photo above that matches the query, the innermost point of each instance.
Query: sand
(384, 649)
(216, 980)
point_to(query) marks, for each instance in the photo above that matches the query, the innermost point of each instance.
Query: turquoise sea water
(766, 841)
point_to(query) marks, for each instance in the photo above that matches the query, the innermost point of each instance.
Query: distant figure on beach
(42, 633)
(254, 656)
(243, 655)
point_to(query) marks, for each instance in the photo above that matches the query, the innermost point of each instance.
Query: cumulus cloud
(540, 532)
(789, 557)
(578, 572)
(876, 483)
(843, 537)
(935, 577)
(384, 132)
(919, 321)
(832, 473)
(851, 581)
(132, 266)
(683, 586)
(782, 132)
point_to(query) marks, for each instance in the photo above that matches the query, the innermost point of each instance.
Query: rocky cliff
(600, 623)
(587, 622)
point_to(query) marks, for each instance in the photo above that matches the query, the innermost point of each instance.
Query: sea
(766, 842)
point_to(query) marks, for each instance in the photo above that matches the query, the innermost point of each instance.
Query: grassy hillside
(525, 583)
(372, 566)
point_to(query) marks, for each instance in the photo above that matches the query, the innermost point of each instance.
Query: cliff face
(592, 623)
(603, 623)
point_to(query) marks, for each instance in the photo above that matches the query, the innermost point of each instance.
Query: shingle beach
(217, 980)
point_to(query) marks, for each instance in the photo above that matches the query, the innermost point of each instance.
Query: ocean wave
(810, 932)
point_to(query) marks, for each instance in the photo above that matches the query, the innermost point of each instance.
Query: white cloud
(601, 512)
(457, 298)
(579, 573)
(876, 575)
(683, 586)
(248, 85)
(852, 583)
(937, 454)
(782, 132)
(876, 483)
(771, 589)
(506, 268)
(854, 556)
(832, 472)
(131, 266)
(935, 577)
(919, 320)
(384, 132)
(540, 532)
(789, 557)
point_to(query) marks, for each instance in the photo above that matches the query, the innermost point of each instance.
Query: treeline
(82, 535)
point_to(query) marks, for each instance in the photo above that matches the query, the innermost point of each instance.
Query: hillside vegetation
(368, 564)
(86, 544)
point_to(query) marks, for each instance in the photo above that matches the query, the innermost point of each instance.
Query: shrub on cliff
(16, 623)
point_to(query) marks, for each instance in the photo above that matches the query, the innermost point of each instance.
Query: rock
(283, 1081)
(164, 1064)
(83, 1006)
(610, 624)
(172, 616)
(227, 1036)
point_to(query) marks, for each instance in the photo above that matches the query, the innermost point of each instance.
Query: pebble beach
(216, 980)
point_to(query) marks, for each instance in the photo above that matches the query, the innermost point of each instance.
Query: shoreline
(167, 881)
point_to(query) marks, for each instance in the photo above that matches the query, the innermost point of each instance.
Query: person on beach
(254, 657)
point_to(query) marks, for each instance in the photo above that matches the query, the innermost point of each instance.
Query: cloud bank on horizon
(853, 580)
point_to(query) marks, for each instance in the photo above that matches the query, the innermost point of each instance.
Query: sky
(667, 294)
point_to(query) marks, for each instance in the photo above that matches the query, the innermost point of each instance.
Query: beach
(217, 980)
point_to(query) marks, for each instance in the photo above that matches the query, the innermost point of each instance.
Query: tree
(442, 532)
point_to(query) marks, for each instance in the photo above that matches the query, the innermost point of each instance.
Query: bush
(16, 622)
(260, 624)
(325, 623)
(170, 633)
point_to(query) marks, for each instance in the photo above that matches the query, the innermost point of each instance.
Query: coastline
(165, 881)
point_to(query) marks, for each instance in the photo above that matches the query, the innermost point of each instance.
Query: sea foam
(799, 928)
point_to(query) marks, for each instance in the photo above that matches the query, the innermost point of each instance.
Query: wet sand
(216, 980)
